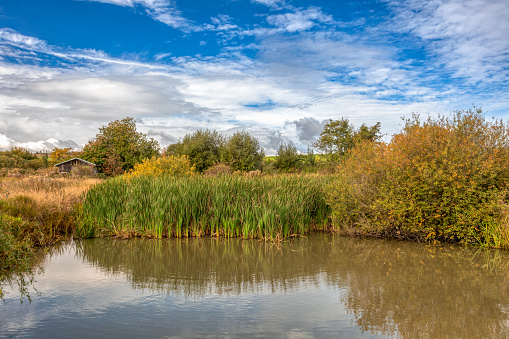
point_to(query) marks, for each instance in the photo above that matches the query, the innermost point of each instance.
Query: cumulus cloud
(308, 129)
(222, 93)
(272, 141)
(7, 143)
(299, 20)
(301, 71)
(162, 137)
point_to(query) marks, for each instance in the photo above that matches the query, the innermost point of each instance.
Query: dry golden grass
(47, 205)
(59, 193)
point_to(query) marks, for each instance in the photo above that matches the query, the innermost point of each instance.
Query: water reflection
(396, 288)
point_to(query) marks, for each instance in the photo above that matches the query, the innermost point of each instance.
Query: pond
(308, 287)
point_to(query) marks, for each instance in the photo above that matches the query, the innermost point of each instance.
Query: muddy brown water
(320, 286)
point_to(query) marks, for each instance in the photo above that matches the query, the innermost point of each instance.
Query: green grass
(265, 207)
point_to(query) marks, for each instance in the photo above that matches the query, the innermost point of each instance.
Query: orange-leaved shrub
(178, 165)
(442, 179)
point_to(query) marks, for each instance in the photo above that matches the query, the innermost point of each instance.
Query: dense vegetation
(442, 179)
(165, 166)
(438, 180)
(339, 136)
(36, 212)
(118, 147)
(205, 148)
(18, 161)
(230, 206)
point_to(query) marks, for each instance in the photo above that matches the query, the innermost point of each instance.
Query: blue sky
(276, 68)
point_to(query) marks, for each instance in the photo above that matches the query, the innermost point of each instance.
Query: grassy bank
(36, 211)
(271, 207)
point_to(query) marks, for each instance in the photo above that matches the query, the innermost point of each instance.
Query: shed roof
(87, 162)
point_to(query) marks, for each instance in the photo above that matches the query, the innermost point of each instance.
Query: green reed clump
(230, 206)
(15, 248)
(14, 244)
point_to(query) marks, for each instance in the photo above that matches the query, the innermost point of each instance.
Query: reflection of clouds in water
(102, 301)
(67, 285)
(115, 308)
(314, 287)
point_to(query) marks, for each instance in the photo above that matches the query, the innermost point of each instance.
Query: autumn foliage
(178, 165)
(443, 179)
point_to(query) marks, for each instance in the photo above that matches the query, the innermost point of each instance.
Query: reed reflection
(397, 288)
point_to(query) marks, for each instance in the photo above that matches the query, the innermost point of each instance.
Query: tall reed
(230, 206)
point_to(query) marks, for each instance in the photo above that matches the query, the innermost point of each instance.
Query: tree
(368, 133)
(22, 153)
(243, 152)
(60, 154)
(118, 147)
(287, 157)
(113, 164)
(339, 136)
(335, 139)
(203, 148)
(309, 158)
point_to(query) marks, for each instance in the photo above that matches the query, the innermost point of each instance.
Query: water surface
(313, 287)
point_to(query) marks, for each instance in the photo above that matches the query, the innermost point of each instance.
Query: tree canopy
(203, 148)
(339, 136)
(119, 146)
(243, 152)
(287, 157)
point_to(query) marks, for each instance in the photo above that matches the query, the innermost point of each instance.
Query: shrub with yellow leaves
(442, 179)
(178, 165)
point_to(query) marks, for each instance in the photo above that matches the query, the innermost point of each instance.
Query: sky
(279, 69)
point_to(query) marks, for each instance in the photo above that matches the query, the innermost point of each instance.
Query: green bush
(242, 152)
(203, 148)
(15, 248)
(7, 162)
(287, 157)
(118, 147)
(339, 136)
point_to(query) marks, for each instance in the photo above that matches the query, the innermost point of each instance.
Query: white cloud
(300, 75)
(270, 3)
(299, 20)
(469, 38)
(161, 56)
(23, 47)
(160, 10)
(7, 143)
(223, 23)
(22, 41)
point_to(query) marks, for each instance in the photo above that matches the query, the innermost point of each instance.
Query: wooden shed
(67, 166)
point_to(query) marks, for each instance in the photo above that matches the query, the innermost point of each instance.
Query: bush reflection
(407, 289)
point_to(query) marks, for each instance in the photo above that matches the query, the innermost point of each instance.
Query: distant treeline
(118, 147)
(19, 161)
(21, 158)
